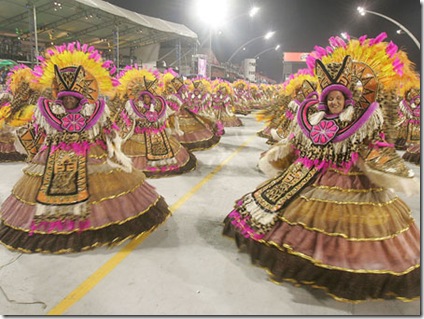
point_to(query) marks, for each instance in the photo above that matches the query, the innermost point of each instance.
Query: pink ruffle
(243, 227)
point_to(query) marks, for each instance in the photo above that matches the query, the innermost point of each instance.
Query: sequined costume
(16, 109)
(241, 97)
(194, 131)
(221, 105)
(147, 142)
(409, 121)
(326, 219)
(79, 191)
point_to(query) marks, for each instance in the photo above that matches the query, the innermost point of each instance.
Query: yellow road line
(79, 292)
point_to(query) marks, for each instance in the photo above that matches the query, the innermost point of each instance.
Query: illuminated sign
(295, 56)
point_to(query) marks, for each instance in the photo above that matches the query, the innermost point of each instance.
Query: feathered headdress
(171, 81)
(300, 85)
(202, 84)
(134, 81)
(240, 84)
(76, 69)
(374, 64)
(218, 85)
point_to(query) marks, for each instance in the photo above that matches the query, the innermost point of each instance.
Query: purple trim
(331, 116)
(312, 95)
(62, 94)
(56, 123)
(97, 113)
(45, 111)
(153, 97)
(348, 131)
(335, 87)
(322, 106)
(302, 115)
(140, 96)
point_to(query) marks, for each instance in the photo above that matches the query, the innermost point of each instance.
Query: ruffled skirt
(413, 154)
(200, 133)
(121, 205)
(8, 152)
(159, 154)
(342, 234)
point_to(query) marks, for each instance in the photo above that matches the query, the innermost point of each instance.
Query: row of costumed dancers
(325, 217)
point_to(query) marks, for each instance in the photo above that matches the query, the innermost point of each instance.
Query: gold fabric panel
(64, 180)
(115, 184)
(273, 195)
(158, 146)
(26, 189)
(385, 160)
(350, 220)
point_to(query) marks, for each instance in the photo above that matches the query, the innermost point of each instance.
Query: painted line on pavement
(85, 287)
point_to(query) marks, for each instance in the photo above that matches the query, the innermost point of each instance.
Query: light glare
(213, 13)
(253, 11)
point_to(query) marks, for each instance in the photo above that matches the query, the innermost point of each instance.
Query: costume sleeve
(277, 159)
(383, 166)
(29, 139)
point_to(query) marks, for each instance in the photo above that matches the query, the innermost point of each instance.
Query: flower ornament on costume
(360, 69)
(323, 132)
(332, 192)
(73, 122)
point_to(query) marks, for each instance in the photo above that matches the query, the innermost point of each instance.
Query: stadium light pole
(266, 50)
(266, 37)
(362, 11)
(214, 14)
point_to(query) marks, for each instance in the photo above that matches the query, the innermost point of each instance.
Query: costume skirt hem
(12, 157)
(341, 285)
(188, 167)
(202, 145)
(414, 158)
(111, 235)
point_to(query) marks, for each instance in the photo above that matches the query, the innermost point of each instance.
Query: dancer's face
(335, 102)
(146, 99)
(70, 102)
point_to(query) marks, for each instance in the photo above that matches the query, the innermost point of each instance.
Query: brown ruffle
(12, 157)
(113, 234)
(189, 166)
(340, 285)
(202, 145)
(413, 155)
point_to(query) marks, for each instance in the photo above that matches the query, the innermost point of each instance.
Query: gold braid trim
(346, 173)
(76, 230)
(289, 249)
(298, 284)
(111, 244)
(117, 195)
(349, 203)
(350, 190)
(342, 234)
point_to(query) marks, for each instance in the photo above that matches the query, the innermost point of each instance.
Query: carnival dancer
(328, 220)
(194, 131)
(17, 105)
(409, 112)
(221, 104)
(144, 115)
(240, 97)
(79, 191)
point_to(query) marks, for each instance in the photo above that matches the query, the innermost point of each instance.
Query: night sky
(299, 25)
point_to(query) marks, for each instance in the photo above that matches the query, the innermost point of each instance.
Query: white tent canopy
(116, 31)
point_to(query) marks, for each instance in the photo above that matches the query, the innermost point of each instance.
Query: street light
(363, 11)
(266, 50)
(253, 11)
(214, 14)
(266, 37)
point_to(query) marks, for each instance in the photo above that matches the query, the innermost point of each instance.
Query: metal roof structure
(94, 22)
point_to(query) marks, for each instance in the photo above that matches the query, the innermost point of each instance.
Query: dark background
(299, 25)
